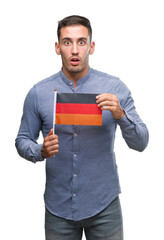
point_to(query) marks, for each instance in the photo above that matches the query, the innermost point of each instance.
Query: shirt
(82, 179)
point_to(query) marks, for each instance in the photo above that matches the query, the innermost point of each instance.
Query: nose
(75, 49)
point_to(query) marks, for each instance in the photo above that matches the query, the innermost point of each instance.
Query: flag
(77, 109)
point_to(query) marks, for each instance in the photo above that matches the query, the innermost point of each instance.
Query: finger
(103, 95)
(107, 103)
(50, 143)
(48, 135)
(105, 98)
(53, 142)
(110, 108)
(50, 138)
(51, 154)
(52, 148)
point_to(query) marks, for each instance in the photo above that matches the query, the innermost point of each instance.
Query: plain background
(129, 44)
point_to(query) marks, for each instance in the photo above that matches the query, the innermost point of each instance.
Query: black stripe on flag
(76, 98)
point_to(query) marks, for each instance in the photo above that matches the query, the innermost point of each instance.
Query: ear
(92, 48)
(57, 48)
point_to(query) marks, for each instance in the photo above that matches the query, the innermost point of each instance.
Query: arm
(134, 131)
(31, 124)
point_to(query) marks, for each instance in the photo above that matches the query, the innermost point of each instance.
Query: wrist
(42, 152)
(122, 114)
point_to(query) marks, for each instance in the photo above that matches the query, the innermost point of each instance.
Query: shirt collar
(79, 82)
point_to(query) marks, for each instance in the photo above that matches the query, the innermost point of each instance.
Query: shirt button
(75, 134)
(70, 83)
(74, 194)
(75, 175)
(74, 155)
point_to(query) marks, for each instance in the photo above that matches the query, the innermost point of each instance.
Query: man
(82, 184)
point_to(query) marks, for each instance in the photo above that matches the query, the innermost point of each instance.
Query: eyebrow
(81, 38)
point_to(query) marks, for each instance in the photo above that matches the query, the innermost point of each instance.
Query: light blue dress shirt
(82, 179)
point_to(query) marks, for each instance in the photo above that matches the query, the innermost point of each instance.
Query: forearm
(135, 133)
(28, 149)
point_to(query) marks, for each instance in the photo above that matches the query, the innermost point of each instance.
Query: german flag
(77, 109)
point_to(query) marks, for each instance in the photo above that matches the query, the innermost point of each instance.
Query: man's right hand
(50, 145)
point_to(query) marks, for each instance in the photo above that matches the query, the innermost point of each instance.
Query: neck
(75, 76)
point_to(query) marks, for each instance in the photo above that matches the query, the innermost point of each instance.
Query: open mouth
(75, 61)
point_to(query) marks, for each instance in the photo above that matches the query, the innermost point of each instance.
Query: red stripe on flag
(77, 108)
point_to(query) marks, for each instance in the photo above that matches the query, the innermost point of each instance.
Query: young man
(82, 184)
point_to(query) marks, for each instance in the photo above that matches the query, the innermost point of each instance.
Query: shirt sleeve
(134, 131)
(31, 124)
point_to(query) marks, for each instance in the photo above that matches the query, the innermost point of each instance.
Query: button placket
(75, 170)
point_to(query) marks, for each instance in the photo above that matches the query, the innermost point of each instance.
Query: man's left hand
(107, 101)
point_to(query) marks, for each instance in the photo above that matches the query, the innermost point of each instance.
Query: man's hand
(50, 145)
(107, 101)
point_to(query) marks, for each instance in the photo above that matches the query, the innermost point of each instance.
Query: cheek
(86, 54)
(64, 58)
(65, 53)
(86, 57)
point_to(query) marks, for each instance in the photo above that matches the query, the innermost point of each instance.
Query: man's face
(74, 47)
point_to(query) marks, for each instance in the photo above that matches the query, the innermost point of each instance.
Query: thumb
(50, 132)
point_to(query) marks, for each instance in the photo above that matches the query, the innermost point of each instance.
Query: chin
(74, 70)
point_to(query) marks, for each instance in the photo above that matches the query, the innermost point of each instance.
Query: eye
(67, 43)
(81, 42)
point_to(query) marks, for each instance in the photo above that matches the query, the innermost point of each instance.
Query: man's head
(74, 20)
(74, 45)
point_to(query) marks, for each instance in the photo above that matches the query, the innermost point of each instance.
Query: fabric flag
(77, 109)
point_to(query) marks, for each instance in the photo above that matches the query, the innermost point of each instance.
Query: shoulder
(42, 89)
(46, 85)
(108, 79)
(47, 81)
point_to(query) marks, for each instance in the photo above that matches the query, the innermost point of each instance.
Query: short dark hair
(74, 20)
